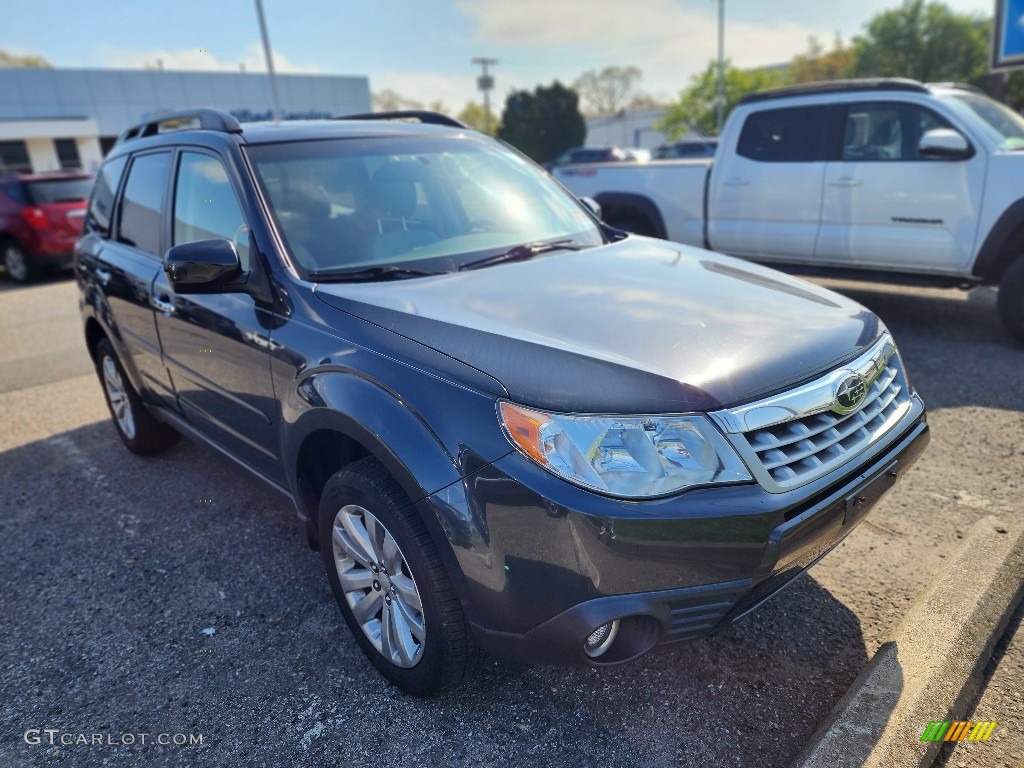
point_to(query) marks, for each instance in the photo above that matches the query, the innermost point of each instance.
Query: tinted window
(60, 190)
(887, 131)
(67, 153)
(205, 206)
(143, 202)
(793, 135)
(101, 207)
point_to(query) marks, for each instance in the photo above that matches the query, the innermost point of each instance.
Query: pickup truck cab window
(790, 135)
(143, 202)
(888, 130)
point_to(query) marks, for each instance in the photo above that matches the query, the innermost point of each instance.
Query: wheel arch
(1003, 244)
(624, 205)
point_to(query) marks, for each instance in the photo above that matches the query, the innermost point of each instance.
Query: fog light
(601, 639)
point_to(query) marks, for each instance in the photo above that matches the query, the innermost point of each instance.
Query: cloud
(425, 87)
(667, 40)
(194, 59)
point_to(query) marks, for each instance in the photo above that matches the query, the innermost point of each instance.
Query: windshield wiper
(387, 271)
(523, 252)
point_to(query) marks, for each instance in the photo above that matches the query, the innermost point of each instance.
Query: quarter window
(791, 135)
(101, 206)
(205, 205)
(143, 202)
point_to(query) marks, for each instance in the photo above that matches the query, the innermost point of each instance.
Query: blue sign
(1008, 35)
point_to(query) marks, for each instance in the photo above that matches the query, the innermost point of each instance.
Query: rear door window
(789, 135)
(142, 204)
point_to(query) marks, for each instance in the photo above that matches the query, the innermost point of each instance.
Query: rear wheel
(138, 430)
(1011, 299)
(393, 590)
(19, 265)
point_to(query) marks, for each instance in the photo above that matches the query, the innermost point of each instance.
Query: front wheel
(138, 430)
(1011, 299)
(389, 581)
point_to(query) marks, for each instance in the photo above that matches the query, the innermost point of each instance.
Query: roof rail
(424, 116)
(838, 86)
(208, 119)
(958, 87)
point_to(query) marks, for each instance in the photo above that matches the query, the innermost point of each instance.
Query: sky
(423, 48)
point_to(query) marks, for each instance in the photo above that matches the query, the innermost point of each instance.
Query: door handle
(164, 304)
(103, 276)
(845, 181)
(736, 181)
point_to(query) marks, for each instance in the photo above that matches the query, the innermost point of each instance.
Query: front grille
(794, 438)
(799, 451)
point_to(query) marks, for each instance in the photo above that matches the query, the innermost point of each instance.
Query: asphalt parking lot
(114, 566)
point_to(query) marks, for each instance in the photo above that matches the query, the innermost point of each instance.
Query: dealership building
(64, 119)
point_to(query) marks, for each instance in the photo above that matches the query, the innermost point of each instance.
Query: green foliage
(544, 123)
(696, 108)
(12, 60)
(474, 116)
(924, 41)
(816, 66)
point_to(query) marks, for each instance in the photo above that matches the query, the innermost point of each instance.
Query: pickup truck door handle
(736, 181)
(164, 304)
(845, 181)
(103, 276)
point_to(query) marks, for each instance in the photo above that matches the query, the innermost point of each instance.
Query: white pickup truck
(871, 179)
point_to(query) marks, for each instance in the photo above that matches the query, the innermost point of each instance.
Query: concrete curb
(930, 668)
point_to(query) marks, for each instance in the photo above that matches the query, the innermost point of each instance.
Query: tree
(544, 123)
(607, 91)
(392, 101)
(926, 42)
(13, 60)
(697, 105)
(816, 65)
(474, 116)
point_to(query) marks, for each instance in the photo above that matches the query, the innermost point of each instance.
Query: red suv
(40, 218)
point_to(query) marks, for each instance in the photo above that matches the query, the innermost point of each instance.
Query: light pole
(720, 98)
(485, 83)
(270, 61)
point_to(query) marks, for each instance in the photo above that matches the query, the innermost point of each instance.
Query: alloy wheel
(16, 264)
(118, 397)
(378, 585)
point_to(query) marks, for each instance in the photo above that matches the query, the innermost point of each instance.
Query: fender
(1004, 242)
(96, 309)
(646, 206)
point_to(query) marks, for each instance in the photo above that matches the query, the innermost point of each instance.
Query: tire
(1011, 299)
(19, 265)
(138, 430)
(412, 629)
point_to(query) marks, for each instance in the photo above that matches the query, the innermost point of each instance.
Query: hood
(637, 326)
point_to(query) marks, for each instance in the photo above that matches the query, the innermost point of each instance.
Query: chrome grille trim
(792, 439)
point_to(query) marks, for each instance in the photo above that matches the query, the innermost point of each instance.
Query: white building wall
(42, 153)
(628, 129)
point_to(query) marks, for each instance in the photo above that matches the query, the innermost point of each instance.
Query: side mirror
(592, 205)
(204, 266)
(944, 143)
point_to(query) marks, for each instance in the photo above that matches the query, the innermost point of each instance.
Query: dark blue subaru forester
(508, 427)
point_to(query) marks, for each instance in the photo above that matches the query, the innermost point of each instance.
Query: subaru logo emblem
(850, 393)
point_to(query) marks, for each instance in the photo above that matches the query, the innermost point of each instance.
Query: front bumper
(545, 563)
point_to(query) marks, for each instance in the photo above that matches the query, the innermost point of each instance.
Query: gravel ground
(115, 566)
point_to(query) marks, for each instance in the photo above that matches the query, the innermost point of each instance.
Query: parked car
(507, 427)
(40, 218)
(888, 180)
(577, 155)
(684, 150)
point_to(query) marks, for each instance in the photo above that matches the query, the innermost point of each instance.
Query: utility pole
(485, 83)
(721, 66)
(270, 61)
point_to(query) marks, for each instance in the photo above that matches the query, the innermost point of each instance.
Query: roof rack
(838, 86)
(958, 87)
(424, 116)
(208, 119)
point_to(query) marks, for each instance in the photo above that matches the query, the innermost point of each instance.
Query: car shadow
(117, 569)
(976, 347)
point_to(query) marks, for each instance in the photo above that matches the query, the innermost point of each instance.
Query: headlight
(630, 456)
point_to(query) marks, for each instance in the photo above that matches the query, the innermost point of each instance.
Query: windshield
(429, 203)
(1001, 125)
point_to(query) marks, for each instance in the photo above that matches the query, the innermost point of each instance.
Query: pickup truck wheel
(393, 590)
(1011, 299)
(138, 430)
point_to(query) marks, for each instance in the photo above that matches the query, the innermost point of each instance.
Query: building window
(14, 157)
(67, 153)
